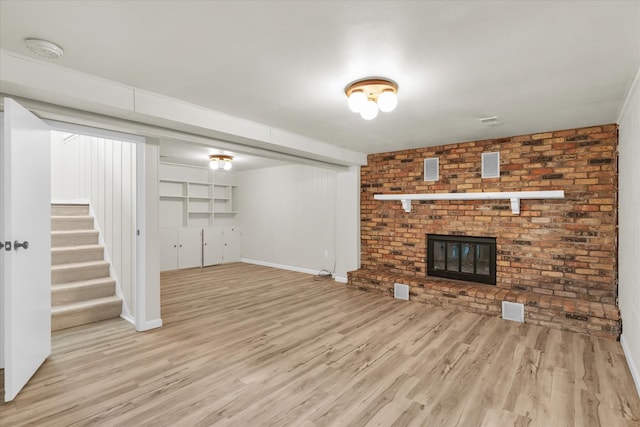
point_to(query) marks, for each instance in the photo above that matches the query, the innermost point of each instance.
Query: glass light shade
(227, 164)
(387, 101)
(369, 111)
(213, 164)
(357, 101)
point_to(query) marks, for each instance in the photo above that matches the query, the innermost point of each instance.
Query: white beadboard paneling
(288, 216)
(104, 171)
(629, 234)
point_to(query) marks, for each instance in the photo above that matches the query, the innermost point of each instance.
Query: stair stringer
(126, 314)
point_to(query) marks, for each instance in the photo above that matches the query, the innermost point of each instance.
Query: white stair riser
(74, 239)
(76, 274)
(71, 223)
(68, 295)
(94, 313)
(69, 210)
(72, 255)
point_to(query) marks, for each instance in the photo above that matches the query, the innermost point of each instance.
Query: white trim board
(148, 325)
(128, 318)
(635, 370)
(280, 266)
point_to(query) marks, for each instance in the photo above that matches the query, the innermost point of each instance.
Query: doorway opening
(94, 203)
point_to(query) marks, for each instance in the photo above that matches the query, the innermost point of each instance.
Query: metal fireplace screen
(472, 259)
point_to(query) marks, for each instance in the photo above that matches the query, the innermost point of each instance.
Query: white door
(189, 247)
(212, 246)
(25, 231)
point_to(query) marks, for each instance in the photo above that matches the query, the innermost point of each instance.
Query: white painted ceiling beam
(41, 81)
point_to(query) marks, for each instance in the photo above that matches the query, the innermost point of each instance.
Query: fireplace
(472, 259)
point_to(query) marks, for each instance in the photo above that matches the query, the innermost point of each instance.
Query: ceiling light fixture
(44, 48)
(367, 96)
(220, 161)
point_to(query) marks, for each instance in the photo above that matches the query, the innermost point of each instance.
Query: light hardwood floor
(245, 345)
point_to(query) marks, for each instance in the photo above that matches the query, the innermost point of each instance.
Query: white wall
(629, 234)
(288, 217)
(347, 222)
(148, 289)
(104, 172)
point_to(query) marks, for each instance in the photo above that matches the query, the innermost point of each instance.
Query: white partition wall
(102, 171)
(288, 217)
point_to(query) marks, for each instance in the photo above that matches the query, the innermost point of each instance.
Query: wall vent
(513, 311)
(489, 121)
(431, 166)
(401, 291)
(491, 165)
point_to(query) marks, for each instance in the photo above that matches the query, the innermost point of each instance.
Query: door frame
(139, 294)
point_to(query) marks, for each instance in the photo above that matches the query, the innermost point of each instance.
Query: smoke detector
(44, 48)
(490, 121)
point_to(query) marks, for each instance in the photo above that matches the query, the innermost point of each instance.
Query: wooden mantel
(513, 196)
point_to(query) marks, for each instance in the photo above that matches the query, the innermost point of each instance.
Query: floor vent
(401, 291)
(513, 311)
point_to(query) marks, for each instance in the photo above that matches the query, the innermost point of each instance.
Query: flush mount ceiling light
(220, 161)
(367, 96)
(44, 48)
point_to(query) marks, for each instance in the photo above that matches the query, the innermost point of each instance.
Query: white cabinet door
(168, 249)
(25, 261)
(189, 247)
(232, 245)
(213, 246)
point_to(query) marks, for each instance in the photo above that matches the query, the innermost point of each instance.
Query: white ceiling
(537, 65)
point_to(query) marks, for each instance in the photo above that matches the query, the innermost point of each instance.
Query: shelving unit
(223, 199)
(186, 196)
(190, 196)
(197, 217)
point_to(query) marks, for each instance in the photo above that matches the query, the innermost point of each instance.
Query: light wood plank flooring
(245, 345)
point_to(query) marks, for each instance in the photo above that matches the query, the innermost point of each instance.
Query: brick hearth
(558, 257)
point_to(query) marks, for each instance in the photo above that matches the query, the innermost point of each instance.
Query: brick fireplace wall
(558, 257)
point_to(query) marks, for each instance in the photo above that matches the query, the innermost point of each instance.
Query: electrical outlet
(326, 254)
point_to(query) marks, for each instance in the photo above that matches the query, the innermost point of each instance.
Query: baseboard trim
(341, 279)
(635, 373)
(128, 318)
(151, 324)
(280, 266)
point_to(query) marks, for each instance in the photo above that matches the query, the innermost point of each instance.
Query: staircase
(82, 290)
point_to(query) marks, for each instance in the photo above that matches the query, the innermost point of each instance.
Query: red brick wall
(564, 248)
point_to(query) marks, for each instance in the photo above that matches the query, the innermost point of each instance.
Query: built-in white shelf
(513, 196)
